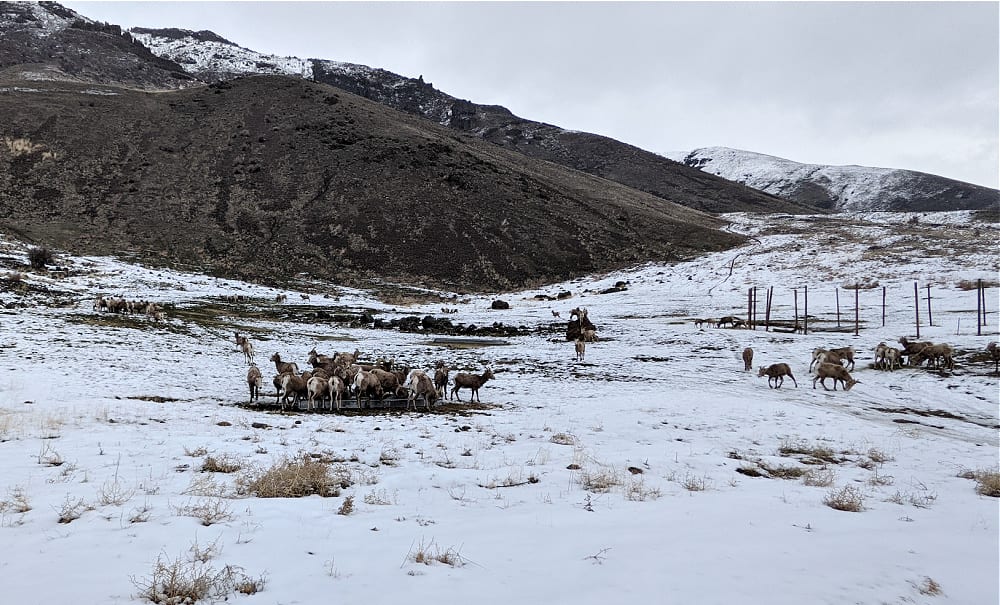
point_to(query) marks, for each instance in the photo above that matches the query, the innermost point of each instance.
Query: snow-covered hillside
(841, 188)
(655, 471)
(211, 57)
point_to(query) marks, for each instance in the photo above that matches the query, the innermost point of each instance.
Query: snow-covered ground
(623, 478)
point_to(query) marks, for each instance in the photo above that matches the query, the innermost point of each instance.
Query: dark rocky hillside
(267, 176)
(46, 41)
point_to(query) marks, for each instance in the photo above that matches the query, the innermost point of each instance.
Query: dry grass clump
(292, 478)
(182, 581)
(222, 464)
(848, 498)
(71, 509)
(929, 587)
(114, 493)
(694, 484)
(347, 506)
(208, 510)
(812, 454)
(987, 481)
(635, 489)
(430, 553)
(599, 480)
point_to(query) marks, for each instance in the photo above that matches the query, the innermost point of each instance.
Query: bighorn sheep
(589, 335)
(317, 386)
(747, 359)
(940, 356)
(418, 384)
(297, 386)
(700, 322)
(367, 384)
(554, 313)
(728, 319)
(994, 350)
(832, 356)
(284, 366)
(880, 355)
(912, 348)
(835, 371)
(247, 347)
(441, 380)
(776, 372)
(581, 349)
(893, 359)
(470, 381)
(336, 387)
(255, 381)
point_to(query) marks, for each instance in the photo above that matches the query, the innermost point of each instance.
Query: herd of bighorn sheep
(834, 363)
(117, 304)
(332, 377)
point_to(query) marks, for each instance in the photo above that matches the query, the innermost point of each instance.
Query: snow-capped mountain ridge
(841, 188)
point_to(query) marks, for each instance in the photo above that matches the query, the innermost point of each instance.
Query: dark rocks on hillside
(500, 304)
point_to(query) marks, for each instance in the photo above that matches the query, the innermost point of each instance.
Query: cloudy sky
(897, 84)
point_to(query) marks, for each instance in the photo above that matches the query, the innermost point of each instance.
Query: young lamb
(470, 381)
(284, 366)
(581, 349)
(835, 371)
(248, 351)
(747, 359)
(255, 381)
(554, 313)
(994, 350)
(776, 372)
(441, 380)
(589, 335)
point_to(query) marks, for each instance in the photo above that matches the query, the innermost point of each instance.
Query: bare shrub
(929, 587)
(988, 482)
(140, 514)
(563, 439)
(291, 478)
(71, 509)
(635, 489)
(39, 257)
(16, 501)
(378, 498)
(878, 456)
(114, 493)
(694, 484)
(207, 510)
(819, 477)
(197, 452)
(431, 552)
(180, 581)
(813, 454)
(347, 506)
(971, 284)
(848, 498)
(49, 457)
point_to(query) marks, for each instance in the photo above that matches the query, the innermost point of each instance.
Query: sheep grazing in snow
(555, 313)
(247, 347)
(729, 319)
(747, 359)
(336, 387)
(835, 371)
(880, 355)
(939, 355)
(470, 381)
(255, 381)
(776, 373)
(367, 384)
(296, 386)
(994, 350)
(317, 387)
(581, 349)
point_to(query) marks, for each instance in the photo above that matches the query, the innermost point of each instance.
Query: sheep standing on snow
(747, 359)
(441, 379)
(471, 382)
(255, 381)
(581, 349)
(835, 371)
(776, 372)
(994, 350)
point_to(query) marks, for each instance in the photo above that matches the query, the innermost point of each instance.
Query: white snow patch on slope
(198, 56)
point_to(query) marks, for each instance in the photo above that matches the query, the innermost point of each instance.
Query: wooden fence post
(767, 310)
(930, 317)
(883, 306)
(979, 307)
(837, 294)
(916, 306)
(795, 291)
(857, 313)
(805, 311)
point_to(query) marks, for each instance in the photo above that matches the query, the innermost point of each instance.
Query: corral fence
(849, 317)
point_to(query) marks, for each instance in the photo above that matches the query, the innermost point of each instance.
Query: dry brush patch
(294, 478)
(430, 552)
(987, 481)
(847, 498)
(191, 579)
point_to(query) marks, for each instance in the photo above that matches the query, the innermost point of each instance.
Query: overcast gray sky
(896, 84)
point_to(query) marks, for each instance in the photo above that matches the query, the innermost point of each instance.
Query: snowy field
(655, 471)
